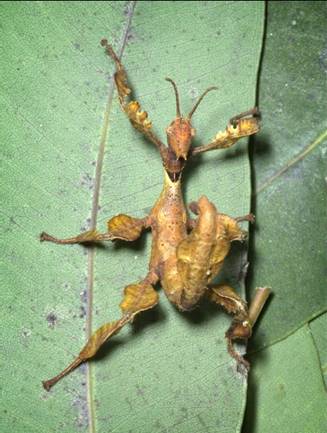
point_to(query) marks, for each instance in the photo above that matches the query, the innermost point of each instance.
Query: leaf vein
(293, 161)
(94, 215)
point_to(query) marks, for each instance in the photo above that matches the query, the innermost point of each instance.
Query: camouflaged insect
(187, 254)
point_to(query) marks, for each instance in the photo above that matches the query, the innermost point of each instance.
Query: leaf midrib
(94, 215)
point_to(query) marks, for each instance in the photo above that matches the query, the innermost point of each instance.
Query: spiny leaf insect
(187, 253)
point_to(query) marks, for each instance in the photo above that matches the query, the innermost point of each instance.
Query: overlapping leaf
(290, 169)
(286, 390)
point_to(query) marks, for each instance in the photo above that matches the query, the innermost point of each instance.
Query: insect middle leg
(121, 227)
(137, 297)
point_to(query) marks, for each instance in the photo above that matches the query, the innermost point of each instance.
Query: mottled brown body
(187, 254)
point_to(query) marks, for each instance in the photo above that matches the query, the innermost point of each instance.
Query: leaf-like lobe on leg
(138, 117)
(98, 338)
(125, 227)
(137, 298)
(225, 296)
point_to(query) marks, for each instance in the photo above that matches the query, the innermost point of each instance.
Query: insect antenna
(199, 100)
(178, 111)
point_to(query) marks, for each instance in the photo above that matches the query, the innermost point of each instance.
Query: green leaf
(290, 169)
(70, 158)
(286, 392)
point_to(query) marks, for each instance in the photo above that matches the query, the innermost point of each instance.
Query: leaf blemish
(52, 320)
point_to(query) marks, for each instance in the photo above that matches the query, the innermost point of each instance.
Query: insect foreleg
(137, 117)
(238, 127)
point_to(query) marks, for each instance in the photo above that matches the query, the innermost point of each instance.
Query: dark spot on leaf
(52, 320)
(130, 36)
(83, 312)
(26, 333)
(87, 181)
(83, 295)
(12, 220)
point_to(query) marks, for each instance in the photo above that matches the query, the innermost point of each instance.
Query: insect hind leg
(244, 317)
(137, 298)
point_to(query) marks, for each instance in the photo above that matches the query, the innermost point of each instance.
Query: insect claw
(249, 217)
(252, 112)
(243, 366)
(46, 237)
(47, 384)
